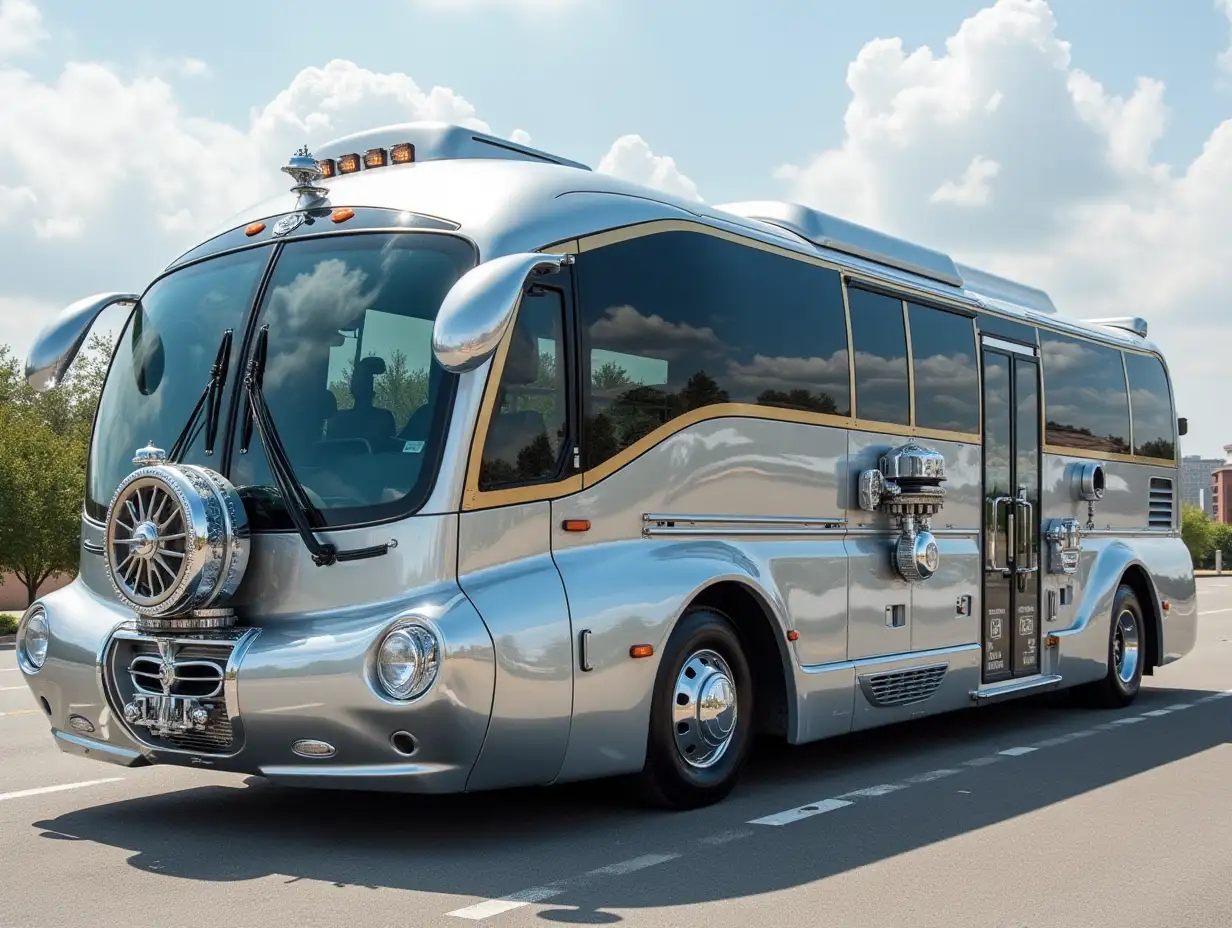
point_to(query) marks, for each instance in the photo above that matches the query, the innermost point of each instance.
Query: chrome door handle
(584, 650)
(1025, 553)
(993, 524)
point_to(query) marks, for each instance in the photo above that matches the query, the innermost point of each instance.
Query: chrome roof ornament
(149, 455)
(305, 171)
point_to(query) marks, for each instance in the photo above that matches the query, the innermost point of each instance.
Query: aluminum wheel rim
(704, 709)
(149, 542)
(1125, 646)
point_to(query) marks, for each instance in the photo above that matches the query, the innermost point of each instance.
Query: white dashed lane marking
(788, 816)
(493, 907)
(42, 790)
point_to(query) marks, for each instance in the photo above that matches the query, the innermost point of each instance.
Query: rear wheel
(701, 716)
(1126, 653)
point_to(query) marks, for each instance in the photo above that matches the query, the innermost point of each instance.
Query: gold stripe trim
(1104, 456)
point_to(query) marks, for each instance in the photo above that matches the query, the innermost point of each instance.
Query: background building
(1221, 489)
(1196, 481)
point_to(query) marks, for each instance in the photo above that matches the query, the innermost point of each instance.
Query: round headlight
(33, 636)
(407, 662)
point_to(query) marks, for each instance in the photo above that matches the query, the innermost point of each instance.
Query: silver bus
(462, 467)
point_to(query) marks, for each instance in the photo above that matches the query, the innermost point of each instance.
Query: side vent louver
(1162, 503)
(902, 687)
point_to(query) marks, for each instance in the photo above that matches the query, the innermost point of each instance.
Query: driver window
(527, 433)
(379, 379)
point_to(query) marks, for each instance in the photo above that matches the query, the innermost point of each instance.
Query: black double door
(1011, 632)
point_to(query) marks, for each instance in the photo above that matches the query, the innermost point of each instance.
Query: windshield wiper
(211, 400)
(299, 507)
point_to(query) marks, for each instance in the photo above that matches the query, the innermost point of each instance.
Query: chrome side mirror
(476, 311)
(61, 339)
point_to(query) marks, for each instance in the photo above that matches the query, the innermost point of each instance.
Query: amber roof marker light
(348, 164)
(402, 153)
(375, 158)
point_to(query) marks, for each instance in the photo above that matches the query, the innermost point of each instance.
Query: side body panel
(505, 567)
(1120, 539)
(627, 589)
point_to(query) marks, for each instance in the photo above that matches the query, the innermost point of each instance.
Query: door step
(1012, 688)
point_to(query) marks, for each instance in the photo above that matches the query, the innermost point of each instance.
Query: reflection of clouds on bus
(308, 312)
(625, 328)
(826, 377)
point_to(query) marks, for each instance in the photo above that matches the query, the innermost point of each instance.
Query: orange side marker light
(255, 229)
(576, 525)
(641, 650)
(342, 215)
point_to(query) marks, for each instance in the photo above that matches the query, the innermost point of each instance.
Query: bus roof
(510, 197)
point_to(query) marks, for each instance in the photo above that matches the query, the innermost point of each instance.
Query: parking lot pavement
(1023, 814)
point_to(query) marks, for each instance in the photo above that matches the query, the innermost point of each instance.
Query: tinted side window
(527, 433)
(678, 321)
(1085, 401)
(880, 343)
(947, 384)
(1151, 403)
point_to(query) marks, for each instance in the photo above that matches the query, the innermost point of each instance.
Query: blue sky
(1082, 145)
(730, 94)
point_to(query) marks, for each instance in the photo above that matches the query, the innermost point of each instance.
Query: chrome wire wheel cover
(704, 709)
(1125, 646)
(148, 545)
(176, 544)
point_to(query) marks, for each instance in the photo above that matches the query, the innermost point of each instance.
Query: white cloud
(974, 189)
(21, 317)
(631, 158)
(107, 178)
(21, 27)
(1056, 180)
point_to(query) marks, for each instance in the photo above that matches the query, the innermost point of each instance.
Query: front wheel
(701, 716)
(1126, 652)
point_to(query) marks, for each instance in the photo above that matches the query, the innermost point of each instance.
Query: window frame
(1172, 418)
(1086, 453)
(568, 475)
(925, 431)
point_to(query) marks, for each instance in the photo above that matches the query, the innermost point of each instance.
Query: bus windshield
(359, 402)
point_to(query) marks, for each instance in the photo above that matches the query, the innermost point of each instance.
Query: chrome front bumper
(261, 693)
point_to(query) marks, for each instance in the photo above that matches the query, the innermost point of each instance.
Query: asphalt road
(1029, 815)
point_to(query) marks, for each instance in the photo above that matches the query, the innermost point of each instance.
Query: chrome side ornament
(908, 487)
(176, 544)
(305, 171)
(477, 310)
(1064, 541)
(61, 339)
(1089, 485)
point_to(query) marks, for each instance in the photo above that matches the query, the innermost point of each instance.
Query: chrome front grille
(902, 687)
(172, 690)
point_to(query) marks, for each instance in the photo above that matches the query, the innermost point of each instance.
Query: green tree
(1197, 531)
(44, 439)
(1221, 540)
(42, 476)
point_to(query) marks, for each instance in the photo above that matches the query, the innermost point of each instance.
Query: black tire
(667, 778)
(1126, 649)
